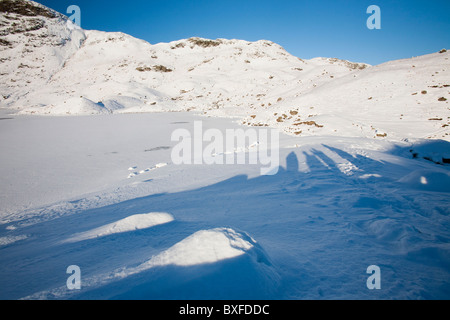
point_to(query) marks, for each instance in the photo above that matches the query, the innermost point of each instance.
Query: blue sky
(305, 28)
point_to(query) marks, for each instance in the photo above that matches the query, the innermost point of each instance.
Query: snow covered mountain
(49, 67)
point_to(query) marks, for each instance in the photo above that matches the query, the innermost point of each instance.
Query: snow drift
(46, 67)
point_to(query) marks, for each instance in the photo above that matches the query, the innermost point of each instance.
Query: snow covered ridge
(47, 68)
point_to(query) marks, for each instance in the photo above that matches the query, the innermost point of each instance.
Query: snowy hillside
(49, 68)
(362, 169)
(336, 206)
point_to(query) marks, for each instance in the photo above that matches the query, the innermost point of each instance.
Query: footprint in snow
(135, 173)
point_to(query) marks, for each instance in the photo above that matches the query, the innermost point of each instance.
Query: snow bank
(208, 246)
(71, 106)
(4, 241)
(257, 82)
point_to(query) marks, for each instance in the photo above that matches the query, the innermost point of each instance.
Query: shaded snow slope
(48, 67)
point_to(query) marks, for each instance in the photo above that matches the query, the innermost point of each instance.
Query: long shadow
(295, 216)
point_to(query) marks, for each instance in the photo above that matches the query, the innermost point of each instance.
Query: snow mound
(125, 104)
(219, 263)
(131, 223)
(209, 246)
(428, 180)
